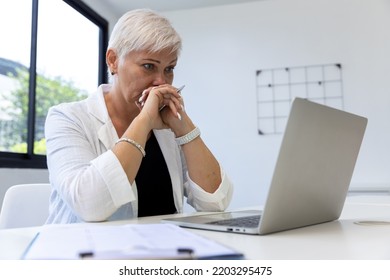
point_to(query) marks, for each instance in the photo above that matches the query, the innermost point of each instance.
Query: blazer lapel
(97, 108)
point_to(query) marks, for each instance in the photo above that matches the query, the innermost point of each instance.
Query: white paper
(133, 241)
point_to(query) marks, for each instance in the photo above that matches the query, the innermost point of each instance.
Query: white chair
(25, 206)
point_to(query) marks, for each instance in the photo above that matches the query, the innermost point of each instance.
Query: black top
(154, 186)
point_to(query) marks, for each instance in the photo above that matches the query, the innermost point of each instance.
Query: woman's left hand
(164, 106)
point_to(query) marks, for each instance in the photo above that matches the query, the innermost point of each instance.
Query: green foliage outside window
(49, 92)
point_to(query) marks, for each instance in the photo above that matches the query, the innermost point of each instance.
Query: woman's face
(140, 70)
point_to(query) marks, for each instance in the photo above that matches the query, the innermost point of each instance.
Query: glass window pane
(67, 60)
(14, 76)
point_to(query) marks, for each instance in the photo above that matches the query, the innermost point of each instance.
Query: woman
(130, 150)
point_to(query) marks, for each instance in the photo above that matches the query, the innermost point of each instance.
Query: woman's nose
(159, 79)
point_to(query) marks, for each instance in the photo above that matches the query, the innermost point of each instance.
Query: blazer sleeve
(89, 179)
(204, 201)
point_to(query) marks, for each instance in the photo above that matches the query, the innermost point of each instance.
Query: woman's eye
(148, 66)
(170, 69)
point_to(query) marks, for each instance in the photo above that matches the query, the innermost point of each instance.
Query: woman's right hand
(157, 100)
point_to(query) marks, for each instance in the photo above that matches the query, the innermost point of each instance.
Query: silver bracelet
(188, 137)
(132, 142)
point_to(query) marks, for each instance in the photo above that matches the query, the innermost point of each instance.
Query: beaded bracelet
(132, 142)
(188, 137)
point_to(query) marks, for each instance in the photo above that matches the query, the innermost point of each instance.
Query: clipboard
(115, 242)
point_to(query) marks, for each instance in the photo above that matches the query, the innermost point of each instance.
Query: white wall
(103, 8)
(224, 46)
(14, 176)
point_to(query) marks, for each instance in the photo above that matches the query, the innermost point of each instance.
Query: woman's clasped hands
(163, 105)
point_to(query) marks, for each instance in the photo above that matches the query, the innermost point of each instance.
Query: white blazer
(89, 183)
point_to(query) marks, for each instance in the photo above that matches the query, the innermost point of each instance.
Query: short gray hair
(143, 29)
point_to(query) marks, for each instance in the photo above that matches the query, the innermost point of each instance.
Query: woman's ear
(112, 61)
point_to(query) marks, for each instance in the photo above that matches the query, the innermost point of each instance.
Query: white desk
(342, 239)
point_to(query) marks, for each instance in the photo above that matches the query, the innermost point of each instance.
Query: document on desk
(132, 241)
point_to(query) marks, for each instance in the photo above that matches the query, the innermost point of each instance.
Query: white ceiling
(120, 6)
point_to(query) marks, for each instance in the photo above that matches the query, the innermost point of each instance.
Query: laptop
(311, 178)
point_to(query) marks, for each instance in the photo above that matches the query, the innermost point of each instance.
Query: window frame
(29, 159)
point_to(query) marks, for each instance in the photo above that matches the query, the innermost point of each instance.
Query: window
(55, 53)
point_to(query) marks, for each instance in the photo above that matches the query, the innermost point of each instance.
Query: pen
(178, 91)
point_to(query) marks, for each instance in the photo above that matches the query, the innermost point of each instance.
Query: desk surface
(341, 239)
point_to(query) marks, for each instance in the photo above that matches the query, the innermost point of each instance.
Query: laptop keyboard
(250, 221)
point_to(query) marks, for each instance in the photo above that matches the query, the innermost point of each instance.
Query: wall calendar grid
(276, 88)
